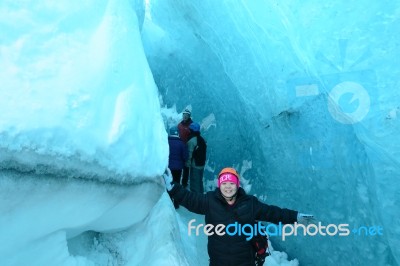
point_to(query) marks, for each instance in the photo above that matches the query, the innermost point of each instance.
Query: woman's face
(228, 189)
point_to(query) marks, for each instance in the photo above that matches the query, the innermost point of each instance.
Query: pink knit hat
(228, 177)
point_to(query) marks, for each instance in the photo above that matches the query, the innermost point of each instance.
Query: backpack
(200, 152)
(260, 246)
(259, 243)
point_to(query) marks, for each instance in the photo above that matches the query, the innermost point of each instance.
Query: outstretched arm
(194, 202)
(273, 214)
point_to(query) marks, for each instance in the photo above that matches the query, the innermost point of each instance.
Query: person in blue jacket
(228, 204)
(178, 155)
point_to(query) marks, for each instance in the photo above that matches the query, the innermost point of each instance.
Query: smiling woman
(228, 204)
(228, 182)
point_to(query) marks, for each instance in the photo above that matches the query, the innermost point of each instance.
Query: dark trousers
(185, 176)
(176, 175)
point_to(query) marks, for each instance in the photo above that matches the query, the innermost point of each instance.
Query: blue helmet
(195, 127)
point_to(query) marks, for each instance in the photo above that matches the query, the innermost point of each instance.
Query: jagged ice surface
(301, 97)
(304, 98)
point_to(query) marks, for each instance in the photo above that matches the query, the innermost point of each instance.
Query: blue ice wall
(305, 90)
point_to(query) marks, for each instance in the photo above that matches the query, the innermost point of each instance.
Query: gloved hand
(168, 179)
(303, 218)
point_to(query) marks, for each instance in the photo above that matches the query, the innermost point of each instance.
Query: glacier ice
(306, 91)
(300, 97)
(75, 80)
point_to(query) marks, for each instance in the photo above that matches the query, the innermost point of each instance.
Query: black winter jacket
(229, 250)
